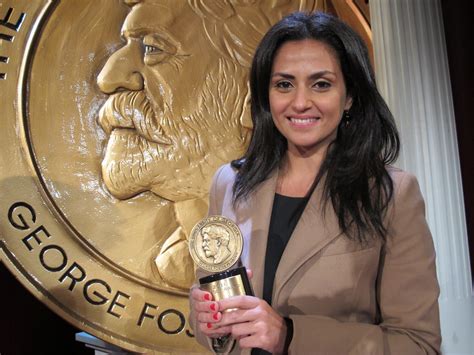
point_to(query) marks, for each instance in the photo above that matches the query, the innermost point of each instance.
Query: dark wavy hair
(357, 182)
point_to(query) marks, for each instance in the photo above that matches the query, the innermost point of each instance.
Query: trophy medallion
(216, 245)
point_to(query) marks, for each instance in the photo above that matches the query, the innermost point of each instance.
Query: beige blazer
(343, 297)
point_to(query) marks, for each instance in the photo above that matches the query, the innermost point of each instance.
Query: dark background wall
(459, 29)
(28, 327)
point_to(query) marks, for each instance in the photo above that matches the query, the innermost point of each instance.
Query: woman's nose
(302, 99)
(122, 71)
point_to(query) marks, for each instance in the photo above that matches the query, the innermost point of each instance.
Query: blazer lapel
(255, 230)
(315, 229)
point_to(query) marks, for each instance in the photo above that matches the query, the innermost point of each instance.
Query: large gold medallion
(215, 244)
(115, 116)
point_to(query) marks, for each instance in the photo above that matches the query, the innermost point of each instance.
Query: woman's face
(307, 95)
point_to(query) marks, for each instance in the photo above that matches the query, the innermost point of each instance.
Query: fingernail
(213, 306)
(215, 316)
(207, 297)
(209, 325)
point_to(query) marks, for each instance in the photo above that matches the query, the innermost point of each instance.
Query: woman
(349, 263)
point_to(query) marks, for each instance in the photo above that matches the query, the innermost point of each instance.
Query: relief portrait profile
(215, 243)
(132, 113)
(178, 108)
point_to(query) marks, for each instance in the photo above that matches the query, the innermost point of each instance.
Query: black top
(286, 213)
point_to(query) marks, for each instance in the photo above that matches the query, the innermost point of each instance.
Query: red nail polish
(213, 307)
(215, 316)
(209, 325)
(207, 297)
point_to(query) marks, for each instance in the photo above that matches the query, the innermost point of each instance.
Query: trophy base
(228, 283)
(222, 285)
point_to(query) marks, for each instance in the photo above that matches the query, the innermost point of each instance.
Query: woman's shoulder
(406, 189)
(400, 177)
(225, 175)
(223, 181)
(221, 191)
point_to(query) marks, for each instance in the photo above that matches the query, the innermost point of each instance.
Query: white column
(413, 75)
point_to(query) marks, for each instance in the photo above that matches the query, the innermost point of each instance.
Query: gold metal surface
(115, 116)
(228, 287)
(215, 244)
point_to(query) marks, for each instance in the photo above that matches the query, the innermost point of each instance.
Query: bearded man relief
(178, 106)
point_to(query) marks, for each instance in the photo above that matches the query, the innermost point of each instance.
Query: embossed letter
(15, 26)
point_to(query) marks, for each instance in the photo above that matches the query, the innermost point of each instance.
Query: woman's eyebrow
(313, 76)
(321, 73)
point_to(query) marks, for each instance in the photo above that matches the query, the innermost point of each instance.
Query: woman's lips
(303, 121)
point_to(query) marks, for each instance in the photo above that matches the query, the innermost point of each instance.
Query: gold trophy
(215, 245)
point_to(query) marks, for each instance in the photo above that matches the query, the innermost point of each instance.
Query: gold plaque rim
(39, 16)
(30, 154)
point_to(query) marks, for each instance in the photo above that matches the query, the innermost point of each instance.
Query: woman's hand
(206, 312)
(252, 322)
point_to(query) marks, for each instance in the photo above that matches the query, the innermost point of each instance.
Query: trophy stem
(224, 344)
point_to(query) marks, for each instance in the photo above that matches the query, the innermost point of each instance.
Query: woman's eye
(283, 85)
(322, 85)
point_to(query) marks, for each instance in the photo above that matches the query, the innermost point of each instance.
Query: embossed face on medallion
(174, 112)
(215, 243)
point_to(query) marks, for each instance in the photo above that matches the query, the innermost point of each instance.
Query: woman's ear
(246, 118)
(348, 104)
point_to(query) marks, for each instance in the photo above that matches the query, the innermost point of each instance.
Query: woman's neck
(298, 172)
